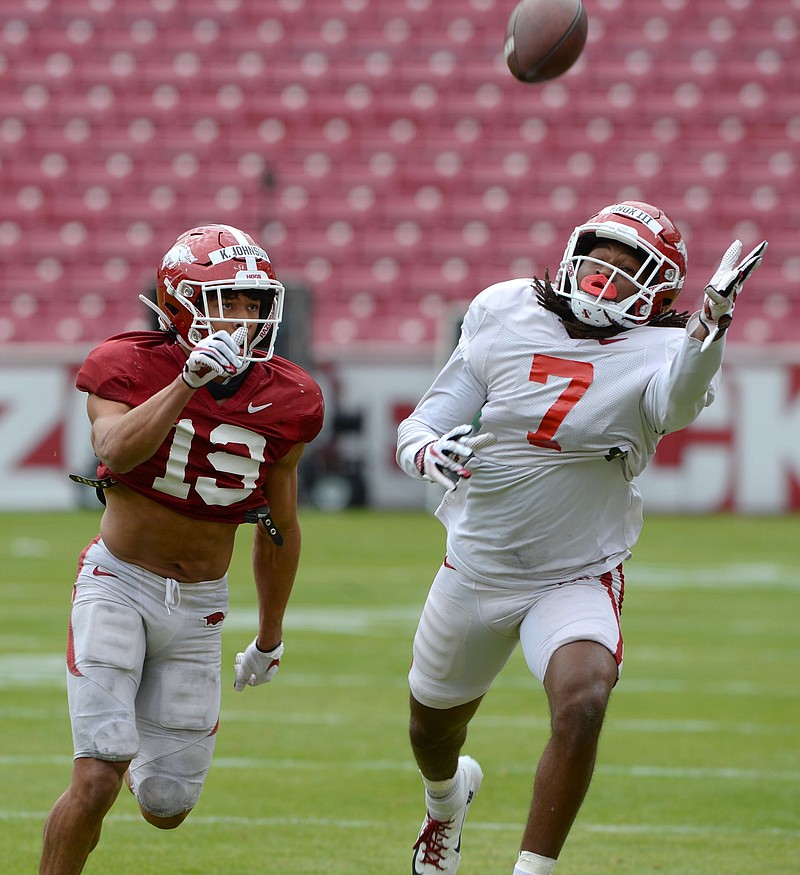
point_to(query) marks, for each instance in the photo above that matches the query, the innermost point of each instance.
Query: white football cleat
(438, 845)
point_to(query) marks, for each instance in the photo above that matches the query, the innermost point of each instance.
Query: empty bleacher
(381, 152)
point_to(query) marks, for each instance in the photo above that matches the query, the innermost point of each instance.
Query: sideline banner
(742, 454)
(44, 436)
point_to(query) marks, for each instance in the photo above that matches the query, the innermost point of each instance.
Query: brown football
(544, 38)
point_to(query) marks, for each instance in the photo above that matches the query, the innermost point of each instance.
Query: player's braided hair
(547, 297)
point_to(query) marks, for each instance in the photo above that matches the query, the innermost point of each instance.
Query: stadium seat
(384, 148)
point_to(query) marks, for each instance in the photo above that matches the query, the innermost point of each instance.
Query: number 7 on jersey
(580, 376)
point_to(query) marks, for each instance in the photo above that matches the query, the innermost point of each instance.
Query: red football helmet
(202, 264)
(659, 280)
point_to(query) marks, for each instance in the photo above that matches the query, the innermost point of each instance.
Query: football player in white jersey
(575, 382)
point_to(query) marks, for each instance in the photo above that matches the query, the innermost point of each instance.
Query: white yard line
(629, 771)
(198, 820)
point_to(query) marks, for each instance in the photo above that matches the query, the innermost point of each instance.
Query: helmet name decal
(637, 215)
(240, 250)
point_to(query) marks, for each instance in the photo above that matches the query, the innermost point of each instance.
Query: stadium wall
(742, 454)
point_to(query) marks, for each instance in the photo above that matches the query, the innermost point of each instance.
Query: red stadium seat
(385, 148)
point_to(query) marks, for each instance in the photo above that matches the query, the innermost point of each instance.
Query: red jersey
(213, 463)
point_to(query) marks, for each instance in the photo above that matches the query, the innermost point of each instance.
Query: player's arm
(274, 571)
(275, 567)
(124, 436)
(438, 432)
(677, 394)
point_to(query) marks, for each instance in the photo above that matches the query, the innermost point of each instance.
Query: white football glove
(254, 666)
(219, 355)
(724, 287)
(443, 461)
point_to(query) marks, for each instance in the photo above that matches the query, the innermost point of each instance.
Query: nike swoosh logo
(254, 408)
(470, 797)
(98, 573)
(606, 340)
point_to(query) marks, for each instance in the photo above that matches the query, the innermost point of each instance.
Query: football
(544, 38)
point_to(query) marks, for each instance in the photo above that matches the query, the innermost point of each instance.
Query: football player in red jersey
(198, 428)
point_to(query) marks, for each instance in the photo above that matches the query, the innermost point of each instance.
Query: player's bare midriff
(137, 530)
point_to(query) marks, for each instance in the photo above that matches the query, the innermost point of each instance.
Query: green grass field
(699, 767)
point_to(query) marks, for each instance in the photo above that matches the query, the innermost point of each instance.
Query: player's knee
(166, 801)
(424, 736)
(96, 783)
(168, 785)
(580, 714)
(165, 823)
(429, 728)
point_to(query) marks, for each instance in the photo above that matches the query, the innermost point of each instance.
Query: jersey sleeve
(287, 387)
(459, 392)
(102, 375)
(470, 347)
(677, 393)
(129, 368)
(455, 397)
(311, 423)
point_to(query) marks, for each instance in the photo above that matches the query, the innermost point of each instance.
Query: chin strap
(162, 319)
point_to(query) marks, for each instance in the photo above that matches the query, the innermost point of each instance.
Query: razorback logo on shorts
(213, 619)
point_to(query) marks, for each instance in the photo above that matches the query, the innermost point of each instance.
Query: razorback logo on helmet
(179, 254)
(240, 250)
(214, 619)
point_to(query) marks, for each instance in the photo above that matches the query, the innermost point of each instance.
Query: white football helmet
(658, 244)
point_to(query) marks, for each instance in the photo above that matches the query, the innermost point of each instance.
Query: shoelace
(433, 838)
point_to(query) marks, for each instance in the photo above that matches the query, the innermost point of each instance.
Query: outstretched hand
(724, 287)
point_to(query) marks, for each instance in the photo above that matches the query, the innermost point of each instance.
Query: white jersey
(576, 420)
